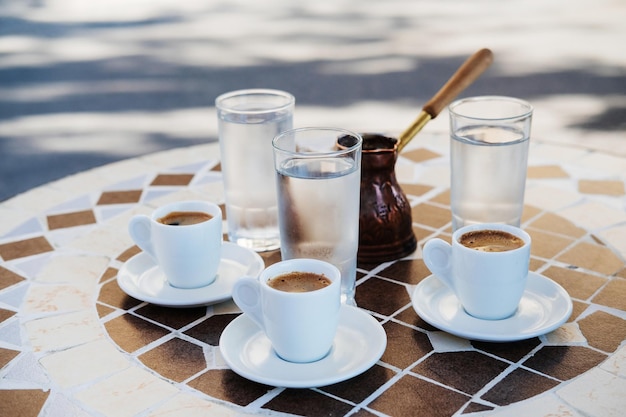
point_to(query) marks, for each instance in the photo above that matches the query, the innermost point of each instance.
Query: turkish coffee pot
(385, 218)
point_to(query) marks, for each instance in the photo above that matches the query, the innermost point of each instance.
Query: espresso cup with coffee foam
(486, 267)
(184, 239)
(296, 303)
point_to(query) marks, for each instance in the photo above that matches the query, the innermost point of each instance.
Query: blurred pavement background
(85, 83)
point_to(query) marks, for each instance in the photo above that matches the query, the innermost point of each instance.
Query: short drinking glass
(489, 156)
(248, 120)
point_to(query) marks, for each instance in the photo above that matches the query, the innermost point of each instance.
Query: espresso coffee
(491, 241)
(299, 282)
(184, 218)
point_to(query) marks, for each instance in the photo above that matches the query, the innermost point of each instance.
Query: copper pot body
(385, 222)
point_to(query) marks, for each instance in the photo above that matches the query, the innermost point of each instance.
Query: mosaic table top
(73, 344)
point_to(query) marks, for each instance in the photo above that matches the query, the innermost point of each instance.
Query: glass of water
(318, 183)
(489, 156)
(248, 120)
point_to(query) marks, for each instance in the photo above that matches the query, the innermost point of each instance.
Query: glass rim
(526, 109)
(289, 100)
(337, 152)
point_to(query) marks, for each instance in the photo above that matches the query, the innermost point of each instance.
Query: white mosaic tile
(546, 405)
(616, 364)
(592, 215)
(73, 269)
(10, 334)
(38, 199)
(56, 298)
(436, 176)
(616, 238)
(189, 406)
(126, 393)
(111, 239)
(62, 331)
(445, 342)
(605, 163)
(26, 369)
(76, 366)
(569, 333)
(60, 405)
(549, 198)
(596, 393)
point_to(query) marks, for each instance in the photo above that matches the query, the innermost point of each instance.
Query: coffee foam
(491, 241)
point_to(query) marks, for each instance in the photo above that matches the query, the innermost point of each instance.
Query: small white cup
(300, 325)
(489, 285)
(189, 256)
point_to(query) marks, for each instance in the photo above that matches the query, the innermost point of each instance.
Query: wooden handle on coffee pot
(467, 73)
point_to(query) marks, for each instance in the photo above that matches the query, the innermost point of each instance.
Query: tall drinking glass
(248, 120)
(489, 157)
(318, 185)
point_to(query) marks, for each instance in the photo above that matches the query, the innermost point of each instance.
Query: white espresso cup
(188, 254)
(301, 326)
(488, 282)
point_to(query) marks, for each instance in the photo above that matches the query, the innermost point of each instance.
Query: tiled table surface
(73, 344)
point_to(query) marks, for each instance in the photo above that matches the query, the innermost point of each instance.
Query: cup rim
(514, 230)
(452, 108)
(161, 211)
(289, 100)
(265, 276)
(331, 153)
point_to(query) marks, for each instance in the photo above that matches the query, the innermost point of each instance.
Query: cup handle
(140, 230)
(247, 296)
(437, 254)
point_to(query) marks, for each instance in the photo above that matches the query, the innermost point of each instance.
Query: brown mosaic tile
(615, 188)
(24, 248)
(517, 386)
(128, 253)
(9, 278)
(362, 386)
(621, 273)
(476, 408)
(77, 218)
(131, 332)
(217, 167)
(442, 198)
(564, 362)
(603, 330)
(381, 296)
(119, 197)
(171, 317)
(420, 155)
(22, 402)
(594, 257)
(307, 403)
(363, 413)
(103, 310)
(529, 212)
(549, 222)
(404, 345)
(546, 171)
(172, 179)
(577, 309)
(226, 385)
(535, 264)
(210, 330)
(112, 294)
(415, 189)
(5, 314)
(411, 396)
(613, 295)
(410, 271)
(511, 351)
(409, 316)
(577, 284)
(547, 245)
(421, 234)
(175, 359)
(7, 355)
(430, 215)
(468, 372)
(108, 274)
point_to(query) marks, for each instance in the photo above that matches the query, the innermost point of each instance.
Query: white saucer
(545, 305)
(359, 343)
(141, 278)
